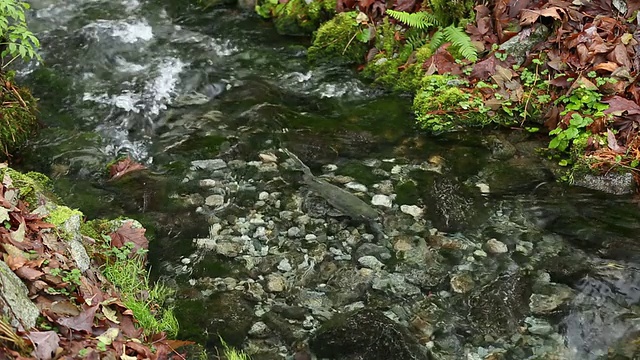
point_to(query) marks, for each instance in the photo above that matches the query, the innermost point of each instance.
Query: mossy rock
(442, 104)
(17, 117)
(297, 17)
(31, 186)
(335, 42)
(385, 72)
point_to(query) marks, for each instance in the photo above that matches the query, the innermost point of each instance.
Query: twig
(22, 102)
(349, 43)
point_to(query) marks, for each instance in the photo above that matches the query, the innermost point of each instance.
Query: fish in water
(344, 201)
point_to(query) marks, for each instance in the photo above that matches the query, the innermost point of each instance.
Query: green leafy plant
(16, 41)
(419, 20)
(459, 40)
(584, 105)
(453, 34)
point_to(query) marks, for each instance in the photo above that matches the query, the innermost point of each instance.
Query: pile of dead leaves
(596, 37)
(82, 315)
(590, 37)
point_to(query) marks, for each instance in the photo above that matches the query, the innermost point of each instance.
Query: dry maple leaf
(613, 143)
(619, 105)
(46, 344)
(528, 17)
(127, 233)
(82, 322)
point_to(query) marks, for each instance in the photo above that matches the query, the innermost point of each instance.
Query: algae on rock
(336, 41)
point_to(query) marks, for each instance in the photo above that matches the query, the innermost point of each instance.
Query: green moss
(60, 214)
(442, 105)
(423, 53)
(336, 42)
(297, 17)
(17, 116)
(95, 228)
(385, 40)
(452, 11)
(388, 73)
(29, 185)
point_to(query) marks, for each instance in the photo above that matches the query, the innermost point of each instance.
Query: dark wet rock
(566, 268)
(353, 285)
(280, 326)
(501, 149)
(211, 165)
(291, 312)
(369, 249)
(222, 309)
(366, 335)
(499, 307)
(452, 205)
(515, 175)
(612, 182)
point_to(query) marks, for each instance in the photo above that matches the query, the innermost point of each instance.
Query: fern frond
(420, 20)
(416, 41)
(437, 40)
(461, 40)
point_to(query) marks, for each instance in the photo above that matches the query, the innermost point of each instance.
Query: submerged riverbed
(486, 255)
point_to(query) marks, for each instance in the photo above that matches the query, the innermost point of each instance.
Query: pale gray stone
(381, 200)
(14, 301)
(412, 210)
(275, 283)
(77, 250)
(352, 185)
(370, 262)
(214, 200)
(496, 246)
(284, 265)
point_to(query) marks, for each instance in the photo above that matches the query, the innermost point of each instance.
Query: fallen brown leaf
(124, 167)
(46, 344)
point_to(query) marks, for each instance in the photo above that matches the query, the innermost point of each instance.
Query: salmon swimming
(341, 199)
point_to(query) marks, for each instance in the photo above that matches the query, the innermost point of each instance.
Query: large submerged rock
(366, 335)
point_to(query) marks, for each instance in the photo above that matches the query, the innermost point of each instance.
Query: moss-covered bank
(296, 17)
(18, 120)
(101, 258)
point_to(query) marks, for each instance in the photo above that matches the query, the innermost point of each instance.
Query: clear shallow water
(125, 77)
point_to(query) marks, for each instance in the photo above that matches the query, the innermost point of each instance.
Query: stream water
(486, 257)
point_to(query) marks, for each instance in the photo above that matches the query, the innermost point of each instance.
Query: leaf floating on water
(123, 167)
